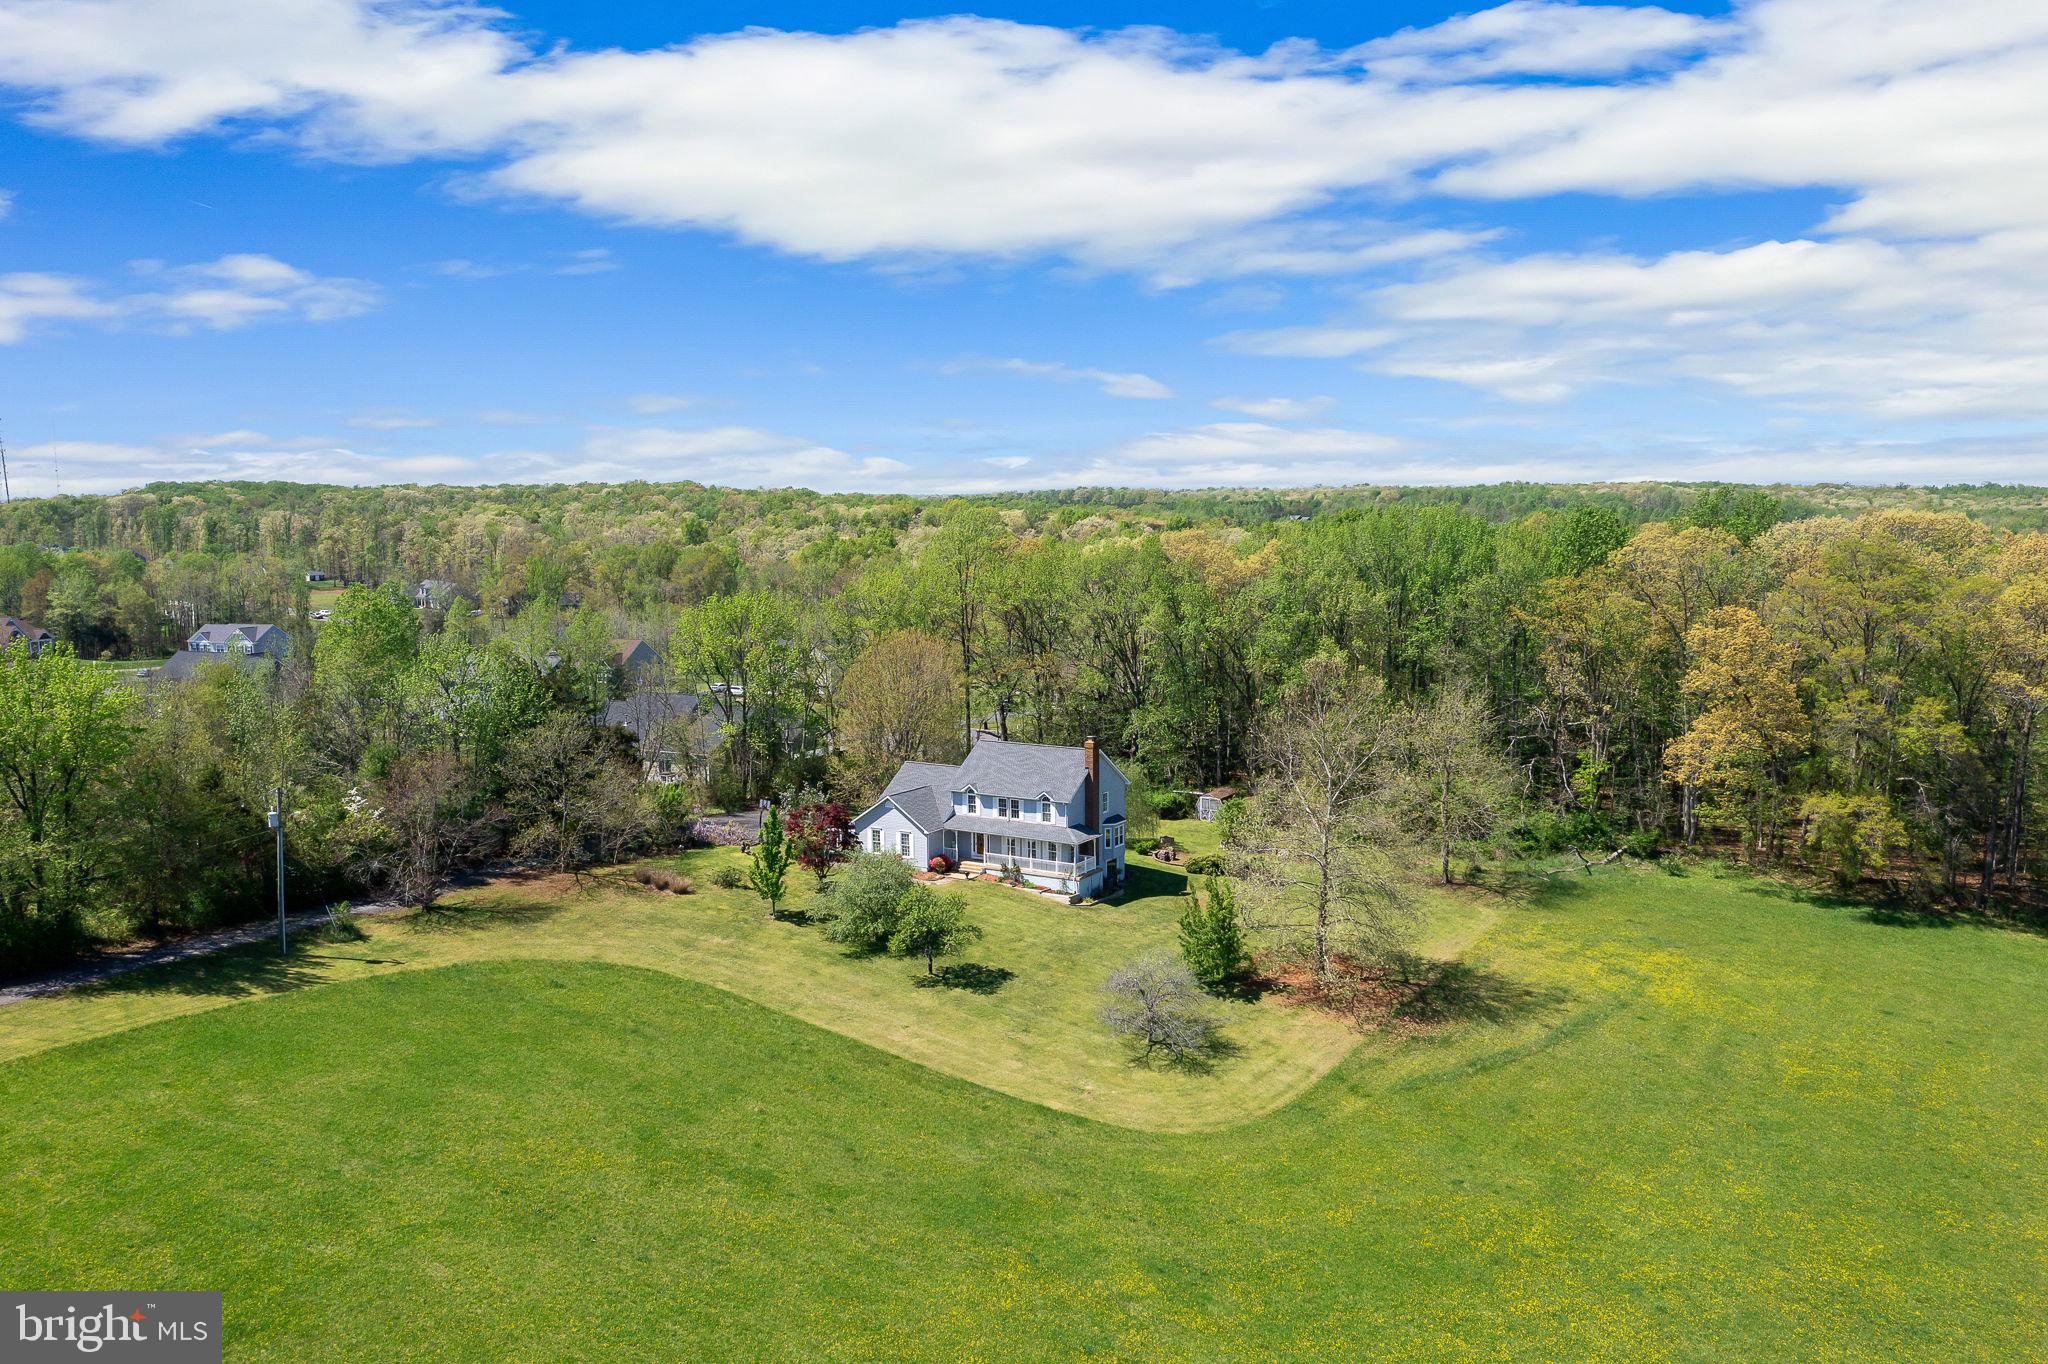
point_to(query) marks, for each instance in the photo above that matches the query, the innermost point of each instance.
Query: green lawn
(125, 665)
(1028, 1026)
(1680, 1118)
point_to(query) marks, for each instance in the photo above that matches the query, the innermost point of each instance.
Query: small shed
(1209, 802)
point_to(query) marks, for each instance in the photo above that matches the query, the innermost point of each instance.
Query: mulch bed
(1370, 996)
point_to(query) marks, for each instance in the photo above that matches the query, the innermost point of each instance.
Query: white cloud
(1142, 149)
(654, 404)
(1311, 247)
(462, 268)
(959, 135)
(1115, 383)
(28, 298)
(742, 456)
(735, 456)
(597, 260)
(980, 136)
(1237, 454)
(1539, 37)
(6, 203)
(1910, 330)
(393, 422)
(1276, 409)
(218, 295)
(1315, 343)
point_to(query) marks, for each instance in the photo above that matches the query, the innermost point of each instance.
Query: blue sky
(844, 246)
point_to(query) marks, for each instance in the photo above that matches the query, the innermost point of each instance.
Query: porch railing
(1038, 866)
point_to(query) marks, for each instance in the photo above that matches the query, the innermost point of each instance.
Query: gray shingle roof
(679, 721)
(996, 767)
(184, 664)
(923, 792)
(644, 712)
(227, 634)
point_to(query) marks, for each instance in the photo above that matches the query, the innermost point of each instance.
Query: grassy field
(1020, 1015)
(1681, 1117)
(125, 665)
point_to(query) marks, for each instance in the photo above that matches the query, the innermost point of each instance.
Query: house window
(903, 843)
(1045, 809)
(874, 840)
(973, 803)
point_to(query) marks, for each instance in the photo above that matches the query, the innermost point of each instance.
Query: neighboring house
(440, 594)
(677, 733)
(34, 637)
(1055, 814)
(1208, 803)
(635, 661)
(267, 640)
(316, 576)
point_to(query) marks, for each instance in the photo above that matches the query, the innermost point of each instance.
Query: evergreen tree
(1212, 938)
(769, 869)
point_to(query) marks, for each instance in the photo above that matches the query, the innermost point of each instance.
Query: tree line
(1648, 668)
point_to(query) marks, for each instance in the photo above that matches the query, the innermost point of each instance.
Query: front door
(981, 847)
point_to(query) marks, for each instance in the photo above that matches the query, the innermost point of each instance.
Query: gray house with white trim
(1055, 814)
(267, 640)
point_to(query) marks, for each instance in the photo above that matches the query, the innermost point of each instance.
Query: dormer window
(973, 802)
(1044, 808)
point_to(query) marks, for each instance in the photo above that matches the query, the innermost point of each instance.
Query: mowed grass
(1020, 1011)
(1677, 1118)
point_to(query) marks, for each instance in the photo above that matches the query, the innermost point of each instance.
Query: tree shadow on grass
(1142, 882)
(1459, 992)
(972, 976)
(1404, 992)
(477, 912)
(1891, 907)
(238, 973)
(1202, 1060)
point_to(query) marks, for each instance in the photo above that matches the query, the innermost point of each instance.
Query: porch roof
(1016, 828)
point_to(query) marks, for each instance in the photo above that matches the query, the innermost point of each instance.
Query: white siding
(895, 827)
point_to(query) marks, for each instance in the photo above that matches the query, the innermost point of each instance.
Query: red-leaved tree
(822, 834)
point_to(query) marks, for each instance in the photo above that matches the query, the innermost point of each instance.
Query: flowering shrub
(940, 863)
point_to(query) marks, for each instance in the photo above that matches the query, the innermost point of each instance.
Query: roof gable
(1007, 767)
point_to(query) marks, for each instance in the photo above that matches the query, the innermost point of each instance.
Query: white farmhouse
(1055, 814)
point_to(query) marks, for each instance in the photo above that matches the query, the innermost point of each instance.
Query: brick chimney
(1091, 800)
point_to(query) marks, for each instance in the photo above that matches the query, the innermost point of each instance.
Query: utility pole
(6, 487)
(277, 823)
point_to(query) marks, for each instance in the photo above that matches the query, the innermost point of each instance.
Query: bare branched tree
(429, 828)
(1317, 852)
(1155, 1003)
(1460, 783)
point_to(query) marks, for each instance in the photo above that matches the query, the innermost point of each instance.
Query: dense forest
(1836, 679)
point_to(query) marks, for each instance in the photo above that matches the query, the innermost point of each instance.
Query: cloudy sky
(843, 246)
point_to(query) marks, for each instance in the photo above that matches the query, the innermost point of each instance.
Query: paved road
(134, 959)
